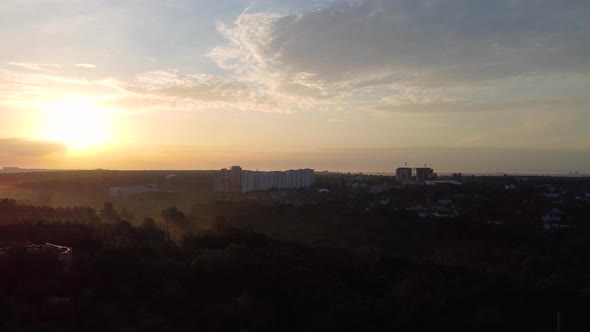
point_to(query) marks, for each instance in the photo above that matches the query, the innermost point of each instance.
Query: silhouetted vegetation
(347, 260)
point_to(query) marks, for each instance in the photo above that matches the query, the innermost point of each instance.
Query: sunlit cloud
(366, 50)
(32, 87)
(44, 67)
(399, 106)
(196, 92)
(86, 65)
(360, 72)
(362, 55)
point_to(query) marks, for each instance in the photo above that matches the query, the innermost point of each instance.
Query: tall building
(423, 174)
(237, 180)
(291, 179)
(228, 180)
(403, 174)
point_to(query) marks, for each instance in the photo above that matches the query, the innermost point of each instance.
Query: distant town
(233, 228)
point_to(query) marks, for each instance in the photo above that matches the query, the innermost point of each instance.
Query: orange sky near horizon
(330, 84)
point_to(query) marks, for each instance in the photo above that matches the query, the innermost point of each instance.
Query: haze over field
(365, 85)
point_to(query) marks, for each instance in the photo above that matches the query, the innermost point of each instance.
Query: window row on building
(291, 179)
(237, 180)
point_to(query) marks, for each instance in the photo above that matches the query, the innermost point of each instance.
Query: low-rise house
(553, 219)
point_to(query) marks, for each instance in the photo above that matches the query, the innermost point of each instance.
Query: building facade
(403, 174)
(423, 174)
(228, 180)
(238, 180)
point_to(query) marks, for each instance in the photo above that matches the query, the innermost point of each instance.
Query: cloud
(357, 52)
(86, 65)
(383, 56)
(31, 87)
(44, 67)
(157, 90)
(176, 91)
(173, 90)
(404, 105)
(416, 42)
(19, 147)
(150, 91)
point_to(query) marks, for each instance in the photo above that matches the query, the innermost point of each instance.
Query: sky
(341, 85)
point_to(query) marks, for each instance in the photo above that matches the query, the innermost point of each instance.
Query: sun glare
(77, 122)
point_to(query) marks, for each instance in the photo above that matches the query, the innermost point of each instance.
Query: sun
(77, 122)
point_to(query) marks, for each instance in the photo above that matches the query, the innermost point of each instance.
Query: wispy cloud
(404, 106)
(185, 92)
(387, 57)
(338, 121)
(361, 51)
(31, 86)
(86, 65)
(44, 67)
(340, 54)
(416, 42)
